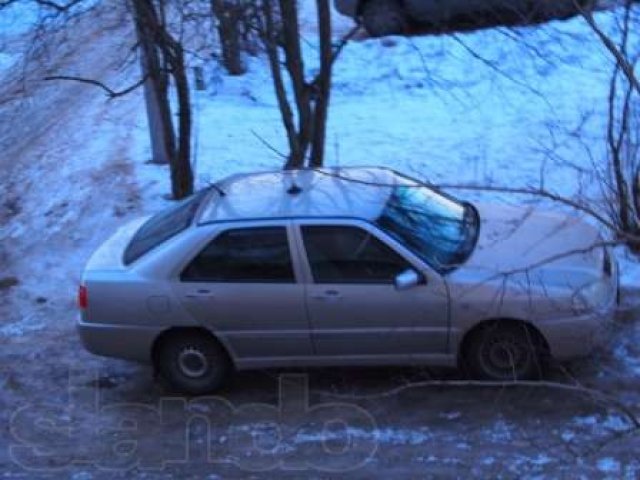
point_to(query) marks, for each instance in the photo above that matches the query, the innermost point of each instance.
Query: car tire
(193, 363)
(383, 17)
(505, 352)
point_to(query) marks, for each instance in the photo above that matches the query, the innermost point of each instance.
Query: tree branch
(610, 45)
(110, 92)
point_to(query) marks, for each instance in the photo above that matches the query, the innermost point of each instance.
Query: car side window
(342, 254)
(247, 255)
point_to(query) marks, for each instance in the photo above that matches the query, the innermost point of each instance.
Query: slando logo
(288, 435)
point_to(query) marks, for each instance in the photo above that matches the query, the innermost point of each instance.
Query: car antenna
(294, 189)
(218, 189)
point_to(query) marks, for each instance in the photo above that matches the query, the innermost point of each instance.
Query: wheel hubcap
(192, 362)
(505, 356)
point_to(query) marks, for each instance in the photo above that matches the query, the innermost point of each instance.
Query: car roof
(357, 192)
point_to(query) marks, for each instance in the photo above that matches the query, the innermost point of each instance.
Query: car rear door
(354, 307)
(244, 285)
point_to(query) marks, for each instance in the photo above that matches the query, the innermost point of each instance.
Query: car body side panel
(367, 320)
(441, 360)
(259, 320)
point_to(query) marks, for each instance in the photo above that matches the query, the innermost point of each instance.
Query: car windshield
(163, 226)
(440, 230)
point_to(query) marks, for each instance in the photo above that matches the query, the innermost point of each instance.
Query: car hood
(527, 241)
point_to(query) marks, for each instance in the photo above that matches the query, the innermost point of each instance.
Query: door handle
(328, 296)
(201, 293)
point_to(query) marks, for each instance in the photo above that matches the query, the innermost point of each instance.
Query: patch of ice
(403, 436)
(392, 436)
(529, 462)
(541, 459)
(599, 422)
(500, 431)
(20, 328)
(629, 269)
(81, 476)
(585, 421)
(616, 422)
(632, 362)
(608, 465)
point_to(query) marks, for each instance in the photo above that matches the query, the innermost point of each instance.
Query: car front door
(354, 306)
(243, 285)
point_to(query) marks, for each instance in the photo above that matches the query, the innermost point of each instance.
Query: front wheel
(193, 362)
(383, 17)
(505, 352)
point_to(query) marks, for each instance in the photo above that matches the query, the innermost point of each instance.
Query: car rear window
(163, 226)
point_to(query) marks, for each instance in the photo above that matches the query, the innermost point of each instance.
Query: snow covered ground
(74, 169)
(493, 107)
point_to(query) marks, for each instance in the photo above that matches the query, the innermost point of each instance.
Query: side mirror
(408, 279)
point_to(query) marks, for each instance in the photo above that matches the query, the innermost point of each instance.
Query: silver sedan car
(360, 266)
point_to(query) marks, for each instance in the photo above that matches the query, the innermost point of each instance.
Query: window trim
(242, 226)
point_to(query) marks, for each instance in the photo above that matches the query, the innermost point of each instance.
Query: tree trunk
(182, 181)
(296, 154)
(323, 87)
(229, 15)
(307, 128)
(161, 132)
(155, 36)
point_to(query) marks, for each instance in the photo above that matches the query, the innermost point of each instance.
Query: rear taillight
(83, 298)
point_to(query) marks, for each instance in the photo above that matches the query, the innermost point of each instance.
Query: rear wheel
(383, 17)
(505, 351)
(192, 362)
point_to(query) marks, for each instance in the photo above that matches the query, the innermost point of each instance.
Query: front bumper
(579, 335)
(133, 343)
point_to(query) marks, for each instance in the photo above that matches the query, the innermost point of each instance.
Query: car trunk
(109, 256)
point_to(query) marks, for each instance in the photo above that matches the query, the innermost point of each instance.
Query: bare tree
(623, 123)
(163, 66)
(305, 117)
(163, 58)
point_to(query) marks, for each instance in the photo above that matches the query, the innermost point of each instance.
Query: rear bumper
(133, 343)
